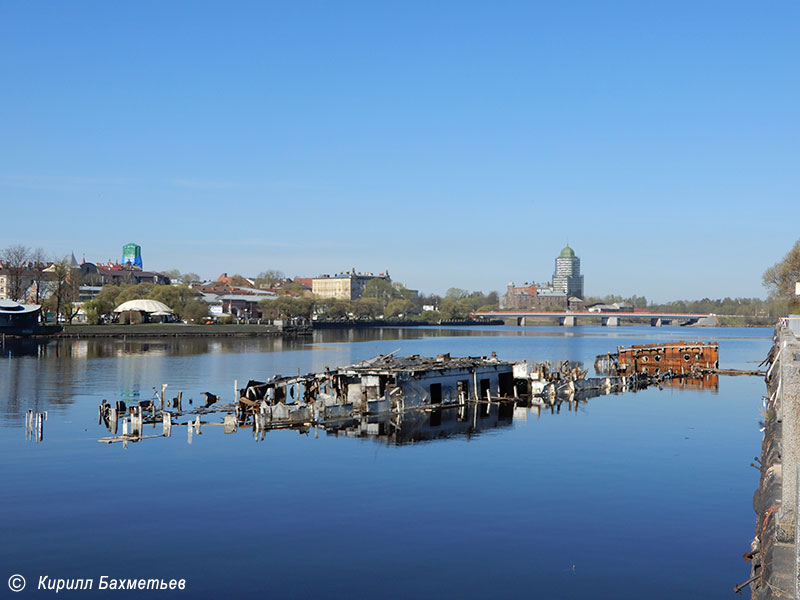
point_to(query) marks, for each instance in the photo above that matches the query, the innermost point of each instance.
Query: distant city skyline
(456, 144)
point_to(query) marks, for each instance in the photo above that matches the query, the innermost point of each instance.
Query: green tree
(456, 294)
(183, 300)
(270, 309)
(780, 279)
(333, 308)
(380, 290)
(451, 309)
(401, 291)
(365, 308)
(105, 302)
(301, 307)
(134, 292)
(286, 307)
(397, 308)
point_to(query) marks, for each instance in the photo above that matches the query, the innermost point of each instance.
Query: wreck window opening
(383, 380)
(657, 358)
(436, 394)
(280, 394)
(505, 382)
(485, 385)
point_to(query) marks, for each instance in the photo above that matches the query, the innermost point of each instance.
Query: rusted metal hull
(677, 357)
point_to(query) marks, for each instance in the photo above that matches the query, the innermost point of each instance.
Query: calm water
(645, 495)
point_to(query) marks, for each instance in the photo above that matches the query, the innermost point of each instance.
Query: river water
(645, 495)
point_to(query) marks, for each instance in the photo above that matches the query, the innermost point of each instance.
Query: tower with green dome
(567, 278)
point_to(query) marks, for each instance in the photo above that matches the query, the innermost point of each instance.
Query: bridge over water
(607, 319)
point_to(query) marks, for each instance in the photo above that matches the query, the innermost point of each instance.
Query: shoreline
(151, 330)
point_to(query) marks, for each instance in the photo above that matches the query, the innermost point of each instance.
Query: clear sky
(457, 144)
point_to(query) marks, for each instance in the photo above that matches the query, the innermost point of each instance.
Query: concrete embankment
(151, 330)
(776, 547)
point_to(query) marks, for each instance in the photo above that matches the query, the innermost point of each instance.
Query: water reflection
(424, 426)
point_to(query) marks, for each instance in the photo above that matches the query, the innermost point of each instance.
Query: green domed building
(567, 278)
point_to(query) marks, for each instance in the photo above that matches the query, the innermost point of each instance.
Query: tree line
(380, 298)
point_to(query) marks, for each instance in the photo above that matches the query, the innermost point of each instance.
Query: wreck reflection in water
(467, 421)
(412, 426)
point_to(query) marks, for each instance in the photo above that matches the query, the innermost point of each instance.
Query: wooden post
(180, 401)
(235, 391)
(475, 385)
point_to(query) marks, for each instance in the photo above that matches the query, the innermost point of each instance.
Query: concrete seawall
(776, 547)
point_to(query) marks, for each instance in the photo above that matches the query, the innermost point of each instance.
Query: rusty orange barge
(654, 359)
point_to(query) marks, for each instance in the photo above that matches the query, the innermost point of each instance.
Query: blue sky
(456, 144)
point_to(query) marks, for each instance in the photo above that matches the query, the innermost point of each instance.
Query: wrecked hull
(389, 397)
